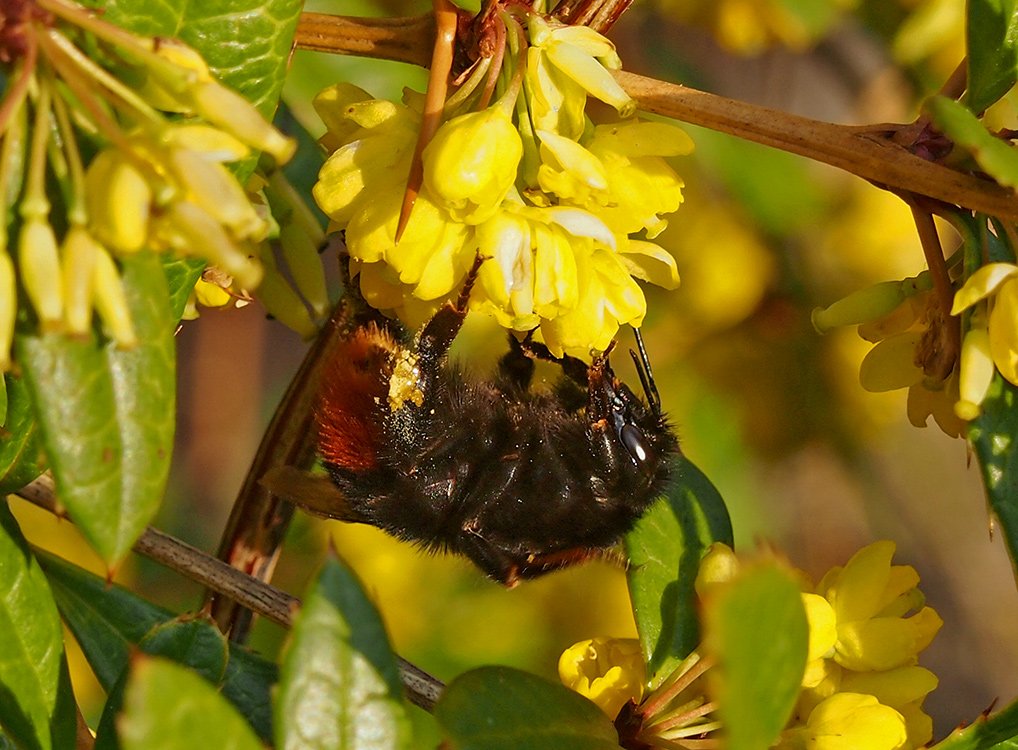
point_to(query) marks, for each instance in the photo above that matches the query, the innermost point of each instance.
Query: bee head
(633, 434)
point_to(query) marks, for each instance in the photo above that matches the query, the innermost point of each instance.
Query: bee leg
(515, 368)
(437, 336)
(575, 369)
(496, 563)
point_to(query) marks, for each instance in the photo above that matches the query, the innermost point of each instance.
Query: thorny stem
(434, 104)
(422, 689)
(868, 151)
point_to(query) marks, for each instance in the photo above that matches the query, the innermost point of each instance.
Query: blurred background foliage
(807, 461)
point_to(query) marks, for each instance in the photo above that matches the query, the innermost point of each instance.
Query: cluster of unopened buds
(908, 324)
(862, 687)
(512, 170)
(136, 133)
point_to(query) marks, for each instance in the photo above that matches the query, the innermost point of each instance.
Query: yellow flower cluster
(560, 210)
(861, 688)
(905, 321)
(154, 183)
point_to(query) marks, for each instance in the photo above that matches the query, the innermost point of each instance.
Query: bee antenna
(642, 363)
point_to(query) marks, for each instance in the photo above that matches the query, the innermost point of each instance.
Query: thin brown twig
(278, 606)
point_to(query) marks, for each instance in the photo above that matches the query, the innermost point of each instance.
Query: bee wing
(314, 493)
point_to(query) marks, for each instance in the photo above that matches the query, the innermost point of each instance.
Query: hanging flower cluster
(862, 687)
(905, 322)
(139, 158)
(560, 210)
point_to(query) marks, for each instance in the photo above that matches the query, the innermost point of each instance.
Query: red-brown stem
(942, 288)
(434, 104)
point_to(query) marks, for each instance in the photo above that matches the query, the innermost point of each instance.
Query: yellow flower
(608, 671)
(434, 253)
(564, 64)
(375, 140)
(997, 283)
(849, 721)
(471, 163)
(641, 184)
(871, 599)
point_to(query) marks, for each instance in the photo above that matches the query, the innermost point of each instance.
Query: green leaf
(181, 275)
(992, 436)
(196, 643)
(339, 681)
(664, 552)
(756, 628)
(998, 731)
(498, 708)
(145, 397)
(169, 707)
(245, 42)
(33, 705)
(992, 41)
(108, 620)
(106, 415)
(21, 456)
(998, 158)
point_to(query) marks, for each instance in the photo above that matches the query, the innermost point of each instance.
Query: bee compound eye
(636, 443)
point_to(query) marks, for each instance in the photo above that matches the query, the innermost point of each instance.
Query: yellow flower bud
(39, 268)
(975, 373)
(119, 200)
(78, 260)
(111, 301)
(229, 110)
(718, 566)
(190, 230)
(212, 186)
(471, 163)
(860, 307)
(212, 143)
(8, 310)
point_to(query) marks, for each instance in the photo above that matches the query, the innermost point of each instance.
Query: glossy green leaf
(145, 398)
(498, 708)
(993, 436)
(33, 673)
(169, 707)
(245, 42)
(664, 552)
(105, 619)
(998, 158)
(992, 41)
(193, 642)
(21, 456)
(339, 683)
(108, 620)
(755, 626)
(107, 416)
(999, 732)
